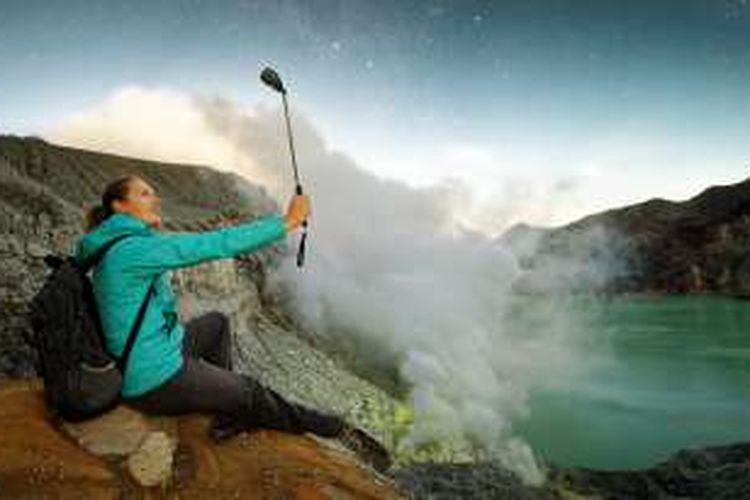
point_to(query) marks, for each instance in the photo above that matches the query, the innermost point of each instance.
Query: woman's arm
(162, 252)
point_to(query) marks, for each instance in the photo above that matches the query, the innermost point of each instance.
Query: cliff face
(699, 245)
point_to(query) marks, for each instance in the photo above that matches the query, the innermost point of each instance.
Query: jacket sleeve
(162, 252)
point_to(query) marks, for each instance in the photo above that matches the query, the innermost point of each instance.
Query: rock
(34, 249)
(743, 278)
(9, 245)
(151, 464)
(119, 432)
(711, 473)
(467, 481)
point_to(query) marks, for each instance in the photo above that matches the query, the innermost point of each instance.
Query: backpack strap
(94, 259)
(122, 361)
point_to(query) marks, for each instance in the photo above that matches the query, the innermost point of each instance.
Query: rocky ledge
(125, 454)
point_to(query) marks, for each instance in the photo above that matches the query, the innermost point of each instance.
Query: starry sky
(576, 105)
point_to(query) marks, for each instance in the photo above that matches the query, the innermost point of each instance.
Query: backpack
(81, 379)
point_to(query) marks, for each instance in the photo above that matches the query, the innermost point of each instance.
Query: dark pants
(207, 384)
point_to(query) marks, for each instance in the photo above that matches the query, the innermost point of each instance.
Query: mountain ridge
(699, 245)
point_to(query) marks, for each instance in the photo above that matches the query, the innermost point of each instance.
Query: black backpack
(81, 380)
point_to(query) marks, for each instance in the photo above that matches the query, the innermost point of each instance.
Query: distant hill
(699, 245)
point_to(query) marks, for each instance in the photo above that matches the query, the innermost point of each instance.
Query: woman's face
(141, 201)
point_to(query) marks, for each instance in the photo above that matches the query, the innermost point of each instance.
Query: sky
(559, 108)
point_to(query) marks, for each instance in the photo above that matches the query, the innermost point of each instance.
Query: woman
(174, 369)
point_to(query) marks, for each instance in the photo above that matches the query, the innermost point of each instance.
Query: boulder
(119, 432)
(151, 463)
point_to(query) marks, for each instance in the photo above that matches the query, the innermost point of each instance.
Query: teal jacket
(123, 276)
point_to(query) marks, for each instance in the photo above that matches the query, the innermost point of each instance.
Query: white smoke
(385, 261)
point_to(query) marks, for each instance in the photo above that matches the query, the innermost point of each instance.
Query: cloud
(154, 123)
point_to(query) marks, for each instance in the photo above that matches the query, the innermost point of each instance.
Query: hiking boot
(367, 448)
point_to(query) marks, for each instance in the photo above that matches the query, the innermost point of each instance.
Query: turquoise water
(661, 374)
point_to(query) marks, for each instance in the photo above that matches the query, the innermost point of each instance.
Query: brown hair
(116, 190)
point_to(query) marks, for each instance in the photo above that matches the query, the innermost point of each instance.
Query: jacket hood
(116, 225)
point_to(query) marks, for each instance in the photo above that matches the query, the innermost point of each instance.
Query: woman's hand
(297, 211)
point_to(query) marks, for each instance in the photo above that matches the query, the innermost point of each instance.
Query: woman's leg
(198, 387)
(209, 337)
(270, 410)
(207, 384)
(206, 388)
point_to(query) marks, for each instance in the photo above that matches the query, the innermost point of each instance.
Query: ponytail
(96, 216)
(116, 190)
